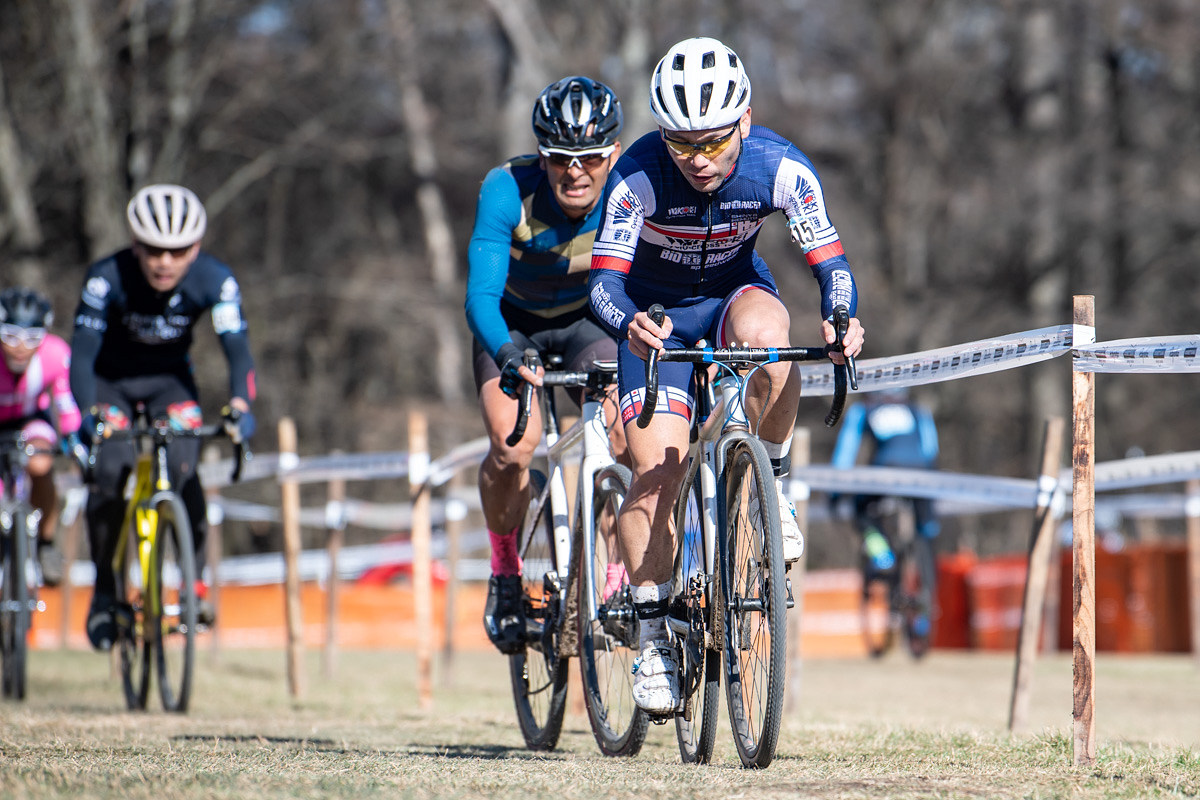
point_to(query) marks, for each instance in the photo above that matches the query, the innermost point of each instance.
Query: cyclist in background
(684, 209)
(133, 330)
(527, 287)
(35, 394)
(899, 433)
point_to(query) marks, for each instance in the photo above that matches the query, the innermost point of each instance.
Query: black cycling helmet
(25, 308)
(565, 109)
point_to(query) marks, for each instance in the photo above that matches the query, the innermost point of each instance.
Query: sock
(780, 455)
(650, 605)
(614, 577)
(505, 560)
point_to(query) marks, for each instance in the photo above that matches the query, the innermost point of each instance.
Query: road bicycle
(20, 576)
(729, 591)
(906, 591)
(570, 607)
(155, 565)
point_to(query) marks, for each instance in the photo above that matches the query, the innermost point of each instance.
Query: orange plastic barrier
(1141, 606)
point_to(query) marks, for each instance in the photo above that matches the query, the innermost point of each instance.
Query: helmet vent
(681, 98)
(709, 61)
(705, 97)
(678, 62)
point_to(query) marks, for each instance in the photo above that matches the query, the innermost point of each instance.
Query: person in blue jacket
(528, 260)
(899, 433)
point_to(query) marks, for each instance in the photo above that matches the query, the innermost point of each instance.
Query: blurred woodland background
(983, 160)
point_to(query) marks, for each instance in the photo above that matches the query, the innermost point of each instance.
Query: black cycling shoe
(504, 614)
(50, 561)
(101, 622)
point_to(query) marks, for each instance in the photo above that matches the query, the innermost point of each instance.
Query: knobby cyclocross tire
(919, 586)
(696, 728)
(538, 673)
(756, 604)
(608, 642)
(134, 652)
(171, 605)
(15, 614)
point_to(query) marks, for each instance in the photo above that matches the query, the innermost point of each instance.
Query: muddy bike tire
(539, 672)
(753, 579)
(608, 641)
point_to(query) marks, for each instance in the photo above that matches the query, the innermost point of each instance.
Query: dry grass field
(860, 729)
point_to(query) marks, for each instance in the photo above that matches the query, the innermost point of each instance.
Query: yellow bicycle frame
(142, 516)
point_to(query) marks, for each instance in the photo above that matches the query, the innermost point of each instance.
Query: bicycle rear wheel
(608, 641)
(14, 604)
(539, 674)
(878, 620)
(134, 649)
(696, 728)
(756, 605)
(919, 586)
(171, 604)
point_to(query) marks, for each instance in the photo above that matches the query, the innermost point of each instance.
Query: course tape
(946, 363)
(1169, 354)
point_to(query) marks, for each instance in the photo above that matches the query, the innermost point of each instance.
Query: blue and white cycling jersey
(660, 240)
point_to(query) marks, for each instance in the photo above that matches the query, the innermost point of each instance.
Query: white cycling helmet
(166, 215)
(699, 85)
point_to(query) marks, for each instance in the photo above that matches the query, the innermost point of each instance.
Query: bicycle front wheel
(608, 640)
(539, 672)
(14, 604)
(171, 604)
(696, 728)
(756, 604)
(133, 647)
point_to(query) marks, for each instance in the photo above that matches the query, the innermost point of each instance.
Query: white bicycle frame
(708, 459)
(590, 433)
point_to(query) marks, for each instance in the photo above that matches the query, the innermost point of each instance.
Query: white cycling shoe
(656, 679)
(793, 539)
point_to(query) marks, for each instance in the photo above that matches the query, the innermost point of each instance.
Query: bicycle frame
(151, 479)
(590, 432)
(724, 426)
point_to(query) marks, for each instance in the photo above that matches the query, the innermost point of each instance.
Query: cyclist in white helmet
(685, 206)
(133, 331)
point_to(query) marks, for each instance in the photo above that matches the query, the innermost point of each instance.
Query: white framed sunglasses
(15, 336)
(586, 159)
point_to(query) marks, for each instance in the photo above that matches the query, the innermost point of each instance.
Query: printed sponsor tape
(947, 363)
(1169, 354)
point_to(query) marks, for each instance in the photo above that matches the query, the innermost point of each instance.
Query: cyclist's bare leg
(759, 318)
(659, 454)
(42, 493)
(504, 474)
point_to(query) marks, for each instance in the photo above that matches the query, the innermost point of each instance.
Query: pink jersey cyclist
(27, 397)
(35, 392)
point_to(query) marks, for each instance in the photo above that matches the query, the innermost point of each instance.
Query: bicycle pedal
(791, 601)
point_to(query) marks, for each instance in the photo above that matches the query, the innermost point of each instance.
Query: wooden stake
(1040, 553)
(795, 656)
(290, 510)
(1083, 540)
(335, 531)
(212, 552)
(1192, 509)
(454, 525)
(422, 535)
